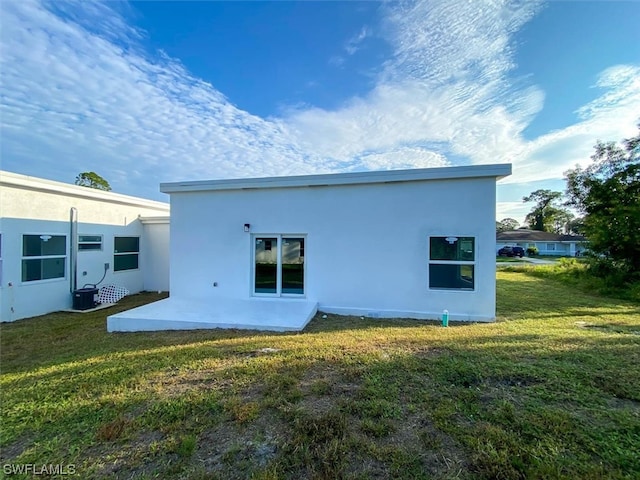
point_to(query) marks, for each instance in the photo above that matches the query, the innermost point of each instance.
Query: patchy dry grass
(550, 391)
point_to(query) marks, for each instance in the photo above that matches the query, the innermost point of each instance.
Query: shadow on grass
(28, 344)
(347, 397)
(508, 407)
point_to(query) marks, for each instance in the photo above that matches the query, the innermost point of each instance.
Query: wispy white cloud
(448, 41)
(337, 61)
(446, 83)
(402, 157)
(75, 100)
(80, 93)
(611, 116)
(354, 43)
(351, 46)
(517, 210)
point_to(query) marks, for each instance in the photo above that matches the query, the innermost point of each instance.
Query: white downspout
(73, 249)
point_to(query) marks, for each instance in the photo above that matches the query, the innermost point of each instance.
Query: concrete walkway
(528, 260)
(539, 261)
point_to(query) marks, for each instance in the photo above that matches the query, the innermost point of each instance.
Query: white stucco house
(547, 243)
(56, 238)
(267, 253)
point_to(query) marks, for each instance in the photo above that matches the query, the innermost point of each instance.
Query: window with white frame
(452, 263)
(44, 257)
(551, 246)
(126, 252)
(89, 242)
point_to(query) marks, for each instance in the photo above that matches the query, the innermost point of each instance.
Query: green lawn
(552, 390)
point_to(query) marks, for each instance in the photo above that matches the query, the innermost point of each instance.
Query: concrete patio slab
(277, 314)
(102, 306)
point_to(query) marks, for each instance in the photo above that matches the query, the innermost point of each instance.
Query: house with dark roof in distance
(547, 243)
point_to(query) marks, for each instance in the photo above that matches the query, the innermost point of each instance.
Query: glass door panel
(266, 271)
(292, 266)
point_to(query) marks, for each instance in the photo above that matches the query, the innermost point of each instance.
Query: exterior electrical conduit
(73, 249)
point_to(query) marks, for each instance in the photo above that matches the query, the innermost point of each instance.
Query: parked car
(511, 252)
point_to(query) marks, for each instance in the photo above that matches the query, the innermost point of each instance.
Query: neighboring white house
(547, 243)
(56, 237)
(267, 252)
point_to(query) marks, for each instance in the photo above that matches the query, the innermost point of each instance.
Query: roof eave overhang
(496, 171)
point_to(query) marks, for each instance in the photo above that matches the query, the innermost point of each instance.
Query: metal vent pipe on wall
(73, 249)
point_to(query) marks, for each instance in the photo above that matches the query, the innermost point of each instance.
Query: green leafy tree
(507, 224)
(561, 219)
(576, 226)
(92, 180)
(546, 210)
(607, 192)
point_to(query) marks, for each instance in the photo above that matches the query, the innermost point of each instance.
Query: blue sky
(147, 92)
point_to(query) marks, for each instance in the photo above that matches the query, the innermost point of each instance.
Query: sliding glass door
(292, 265)
(278, 265)
(266, 265)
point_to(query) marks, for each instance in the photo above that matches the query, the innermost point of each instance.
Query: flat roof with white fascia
(497, 171)
(50, 186)
(155, 219)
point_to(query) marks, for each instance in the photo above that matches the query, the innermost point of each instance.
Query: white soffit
(157, 220)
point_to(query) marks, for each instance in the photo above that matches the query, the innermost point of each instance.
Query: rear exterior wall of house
(371, 249)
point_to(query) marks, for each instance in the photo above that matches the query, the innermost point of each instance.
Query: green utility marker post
(445, 318)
